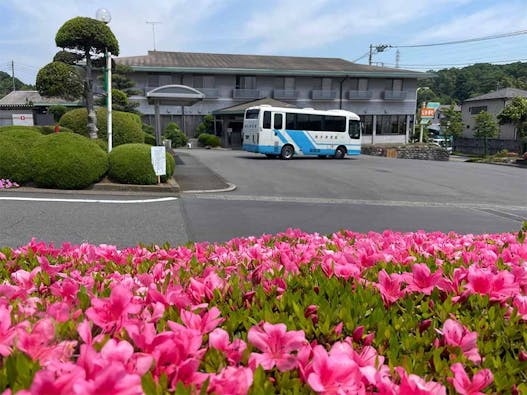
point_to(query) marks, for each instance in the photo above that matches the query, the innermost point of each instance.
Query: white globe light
(103, 15)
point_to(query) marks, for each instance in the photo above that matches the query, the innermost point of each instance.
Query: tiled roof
(255, 63)
(23, 98)
(506, 93)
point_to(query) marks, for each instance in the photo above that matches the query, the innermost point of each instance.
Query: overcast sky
(319, 28)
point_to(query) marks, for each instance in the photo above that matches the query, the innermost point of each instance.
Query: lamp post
(104, 15)
(421, 123)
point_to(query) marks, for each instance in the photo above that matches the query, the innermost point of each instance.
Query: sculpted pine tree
(86, 40)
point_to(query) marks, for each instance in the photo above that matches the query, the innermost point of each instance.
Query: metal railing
(285, 94)
(210, 93)
(394, 95)
(246, 93)
(323, 95)
(360, 95)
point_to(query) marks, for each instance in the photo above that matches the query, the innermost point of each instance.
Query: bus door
(278, 129)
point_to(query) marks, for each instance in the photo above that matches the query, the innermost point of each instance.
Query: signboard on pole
(159, 160)
(22, 119)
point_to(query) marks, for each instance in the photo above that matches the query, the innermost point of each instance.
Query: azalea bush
(7, 184)
(292, 313)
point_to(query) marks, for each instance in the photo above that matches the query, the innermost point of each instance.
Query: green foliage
(126, 127)
(132, 164)
(148, 129)
(15, 152)
(70, 58)
(48, 129)
(207, 126)
(83, 33)
(486, 126)
(174, 133)
(149, 139)
(209, 140)
(58, 79)
(67, 161)
(452, 124)
(17, 372)
(6, 84)
(57, 111)
(515, 112)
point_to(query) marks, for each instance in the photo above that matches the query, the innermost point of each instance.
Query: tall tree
(451, 124)
(516, 113)
(486, 127)
(86, 40)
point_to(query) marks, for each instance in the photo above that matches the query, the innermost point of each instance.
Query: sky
(316, 28)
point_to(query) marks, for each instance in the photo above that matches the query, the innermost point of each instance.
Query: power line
(492, 37)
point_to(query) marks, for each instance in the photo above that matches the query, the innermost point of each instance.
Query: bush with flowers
(7, 184)
(292, 313)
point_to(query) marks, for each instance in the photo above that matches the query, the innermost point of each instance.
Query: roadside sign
(22, 119)
(427, 112)
(159, 160)
(433, 104)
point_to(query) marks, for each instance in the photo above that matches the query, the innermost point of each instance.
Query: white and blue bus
(285, 132)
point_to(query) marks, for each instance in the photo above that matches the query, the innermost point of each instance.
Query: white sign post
(159, 163)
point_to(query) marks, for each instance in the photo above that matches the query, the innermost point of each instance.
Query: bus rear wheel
(340, 153)
(287, 152)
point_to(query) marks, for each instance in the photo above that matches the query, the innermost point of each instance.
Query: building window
(326, 84)
(367, 121)
(391, 124)
(397, 85)
(284, 83)
(153, 80)
(245, 82)
(477, 110)
(203, 81)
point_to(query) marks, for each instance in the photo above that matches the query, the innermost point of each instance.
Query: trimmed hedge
(209, 140)
(149, 139)
(15, 147)
(67, 161)
(132, 164)
(126, 127)
(50, 129)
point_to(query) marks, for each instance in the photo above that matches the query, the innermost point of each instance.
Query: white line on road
(110, 201)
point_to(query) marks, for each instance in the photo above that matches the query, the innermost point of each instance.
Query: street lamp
(104, 15)
(421, 123)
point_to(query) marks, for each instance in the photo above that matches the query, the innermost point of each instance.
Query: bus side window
(266, 120)
(278, 121)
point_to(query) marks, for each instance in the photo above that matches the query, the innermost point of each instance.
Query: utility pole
(378, 48)
(153, 23)
(397, 58)
(13, 74)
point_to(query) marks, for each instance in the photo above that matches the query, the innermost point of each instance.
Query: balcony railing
(210, 93)
(395, 95)
(285, 94)
(323, 95)
(360, 95)
(246, 93)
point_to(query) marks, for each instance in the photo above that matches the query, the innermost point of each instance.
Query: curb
(230, 188)
(171, 186)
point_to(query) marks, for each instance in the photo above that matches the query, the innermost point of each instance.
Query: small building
(29, 108)
(384, 98)
(493, 103)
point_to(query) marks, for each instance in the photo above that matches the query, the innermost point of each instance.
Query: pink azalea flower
(422, 279)
(219, 339)
(465, 386)
(277, 344)
(7, 332)
(390, 287)
(335, 373)
(231, 381)
(204, 323)
(113, 380)
(457, 335)
(57, 379)
(112, 313)
(415, 385)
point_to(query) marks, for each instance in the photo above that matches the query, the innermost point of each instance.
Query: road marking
(390, 203)
(109, 201)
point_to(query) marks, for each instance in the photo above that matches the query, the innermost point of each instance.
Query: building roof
(240, 108)
(160, 61)
(31, 98)
(506, 93)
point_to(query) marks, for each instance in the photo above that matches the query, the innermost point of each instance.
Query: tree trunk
(485, 145)
(88, 96)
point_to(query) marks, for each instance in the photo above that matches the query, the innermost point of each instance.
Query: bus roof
(304, 110)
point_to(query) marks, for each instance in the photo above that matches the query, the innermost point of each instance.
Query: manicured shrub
(209, 140)
(126, 127)
(57, 111)
(15, 152)
(20, 128)
(174, 133)
(67, 161)
(149, 139)
(49, 129)
(132, 164)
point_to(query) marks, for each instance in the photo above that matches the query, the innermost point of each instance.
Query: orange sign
(427, 112)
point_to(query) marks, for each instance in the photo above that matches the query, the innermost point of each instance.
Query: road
(316, 195)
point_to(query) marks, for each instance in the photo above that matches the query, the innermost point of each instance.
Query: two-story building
(384, 98)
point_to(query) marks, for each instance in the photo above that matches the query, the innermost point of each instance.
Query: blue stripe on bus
(281, 136)
(302, 140)
(275, 150)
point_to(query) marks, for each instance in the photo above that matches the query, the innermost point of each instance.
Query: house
(384, 98)
(29, 108)
(494, 103)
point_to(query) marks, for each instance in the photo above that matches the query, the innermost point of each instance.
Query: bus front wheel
(287, 152)
(340, 153)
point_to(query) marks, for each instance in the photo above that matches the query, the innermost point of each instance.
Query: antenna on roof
(153, 23)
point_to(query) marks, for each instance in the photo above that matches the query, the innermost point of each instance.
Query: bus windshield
(354, 129)
(252, 114)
